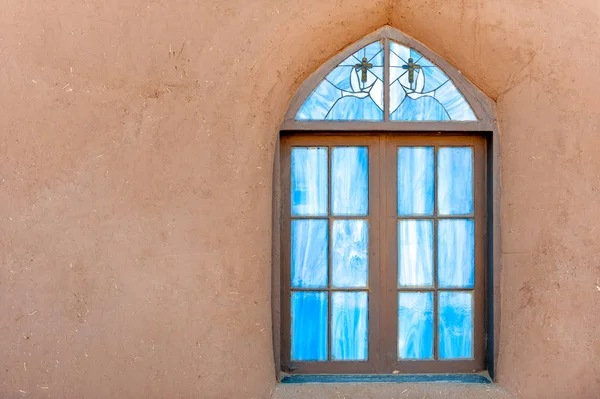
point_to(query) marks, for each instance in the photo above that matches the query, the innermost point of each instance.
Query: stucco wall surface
(136, 151)
(390, 391)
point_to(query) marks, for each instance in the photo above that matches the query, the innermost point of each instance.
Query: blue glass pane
(309, 181)
(434, 78)
(339, 77)
(455, 104)
(309, 253)
(415, 253)
(455, 180)
(421, 91)
(350, 181)
(397, 97)
(373, 52)
(318, 104)
(456, 253)
(351, 91)
(309, 326)
(355, 108)
(349, 326)
(399, 54)
(455, 325)
(415, 181)
(415, 325)
(415, 55)
(349, 253)
(420, 109)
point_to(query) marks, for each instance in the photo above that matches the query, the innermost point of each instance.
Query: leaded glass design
(352, 91)
(421, 91)
(355, 89)
(329, 253)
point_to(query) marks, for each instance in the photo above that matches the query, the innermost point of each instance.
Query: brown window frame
(382, 285)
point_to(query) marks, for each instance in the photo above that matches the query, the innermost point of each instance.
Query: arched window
(355, 89)
(384, 211)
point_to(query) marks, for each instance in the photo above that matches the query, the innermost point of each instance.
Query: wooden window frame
(382, 287)
(485, 127)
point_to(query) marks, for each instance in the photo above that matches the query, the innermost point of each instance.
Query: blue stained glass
(349, 92)
(377, 71)
(318, 104)
(309, 253)
(309, 326)
(424, 62)
(349, 253)
(415, 181)
(415, 253)
(415, 325)
(434, 78)
(455, 104)
(349, 326)
(455, 325)
(354, 108)
(309, 181)
(399, 55)
(339, 78)
(397, 97)
(420, 109)
(350, 181)
(373, 52)
(421, 91)
(455, 180)
(456, 253)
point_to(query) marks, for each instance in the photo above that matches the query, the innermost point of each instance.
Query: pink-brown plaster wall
(136, 152)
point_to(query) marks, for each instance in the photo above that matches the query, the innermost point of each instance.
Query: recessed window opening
(384, 219)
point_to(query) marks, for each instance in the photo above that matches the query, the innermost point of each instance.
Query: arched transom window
(383, 241)
(355, 89)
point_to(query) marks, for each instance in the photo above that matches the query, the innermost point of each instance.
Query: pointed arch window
(417, 89)
(383, 240)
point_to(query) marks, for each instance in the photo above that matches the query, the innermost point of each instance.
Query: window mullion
(383, 254)
(329, 253)
(389, 278)
(386, 80)
(435, 255)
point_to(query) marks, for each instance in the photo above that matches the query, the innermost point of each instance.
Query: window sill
(444, 386)
(386, 378)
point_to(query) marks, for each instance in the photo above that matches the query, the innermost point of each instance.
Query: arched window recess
(355, 215)
(388, 81)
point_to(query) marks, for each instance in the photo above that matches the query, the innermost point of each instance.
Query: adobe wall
(137, 142)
